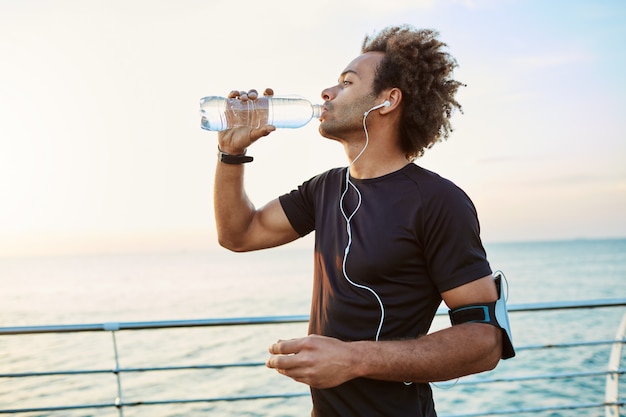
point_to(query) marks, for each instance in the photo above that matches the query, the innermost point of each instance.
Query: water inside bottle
(289, 112)
(219, 113)
(252, 113)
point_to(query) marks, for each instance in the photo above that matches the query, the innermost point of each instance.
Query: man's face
(345, 103)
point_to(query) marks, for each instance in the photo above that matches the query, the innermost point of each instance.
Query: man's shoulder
(332, 175)
(430, 181)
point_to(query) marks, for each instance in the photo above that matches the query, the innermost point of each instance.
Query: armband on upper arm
(494, 313)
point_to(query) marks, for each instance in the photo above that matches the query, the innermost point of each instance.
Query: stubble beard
(348, 122)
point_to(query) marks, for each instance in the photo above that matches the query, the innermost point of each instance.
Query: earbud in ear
(386, 103)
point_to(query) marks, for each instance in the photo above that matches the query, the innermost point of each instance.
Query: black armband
(494, 313)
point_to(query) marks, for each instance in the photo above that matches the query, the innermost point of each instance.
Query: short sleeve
(454, 251)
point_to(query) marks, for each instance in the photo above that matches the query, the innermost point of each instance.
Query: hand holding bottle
(250, 95)
(237, 139)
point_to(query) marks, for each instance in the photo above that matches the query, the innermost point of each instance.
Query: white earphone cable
(348, 218)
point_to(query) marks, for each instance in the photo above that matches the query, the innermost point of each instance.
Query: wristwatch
(233, 159)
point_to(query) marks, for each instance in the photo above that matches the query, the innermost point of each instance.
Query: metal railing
(612, 403)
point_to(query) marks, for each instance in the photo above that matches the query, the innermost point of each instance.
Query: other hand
(318, 361)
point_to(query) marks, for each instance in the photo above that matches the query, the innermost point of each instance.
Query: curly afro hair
(415, 62)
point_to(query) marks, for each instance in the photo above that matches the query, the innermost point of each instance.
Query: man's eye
(346, 83)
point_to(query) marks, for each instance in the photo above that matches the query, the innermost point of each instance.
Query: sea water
(217, 283)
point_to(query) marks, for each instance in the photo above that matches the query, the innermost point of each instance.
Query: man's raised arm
(240, 226)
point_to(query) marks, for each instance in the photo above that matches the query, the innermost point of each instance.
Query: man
(392, 239)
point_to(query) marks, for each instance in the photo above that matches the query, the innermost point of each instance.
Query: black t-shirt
(414, 235)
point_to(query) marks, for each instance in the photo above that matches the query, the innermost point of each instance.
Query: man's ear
(394, 97)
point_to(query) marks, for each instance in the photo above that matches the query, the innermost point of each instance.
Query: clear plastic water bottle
(220, 113)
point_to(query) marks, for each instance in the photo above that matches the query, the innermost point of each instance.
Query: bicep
(482, 290)
(270, 227)
(487, 337)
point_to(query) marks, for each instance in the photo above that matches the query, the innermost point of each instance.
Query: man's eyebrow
(349, 71)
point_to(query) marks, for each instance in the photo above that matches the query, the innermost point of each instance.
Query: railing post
(612, 378)
(119, 401)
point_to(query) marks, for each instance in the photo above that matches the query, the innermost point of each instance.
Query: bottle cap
(317, 110)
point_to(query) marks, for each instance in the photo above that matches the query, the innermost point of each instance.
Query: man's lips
(325, 108)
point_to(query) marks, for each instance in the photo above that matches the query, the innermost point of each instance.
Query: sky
(101, 148)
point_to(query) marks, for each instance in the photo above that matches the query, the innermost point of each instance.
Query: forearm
(233, 209)
(234, 212)
(447, 354)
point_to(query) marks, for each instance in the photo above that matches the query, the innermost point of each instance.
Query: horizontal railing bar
(469, 381)
(57, 408)
(235, 321)
(575, 406)
(253, 364)
(250, 364)
(128, 370)
(303, 394)
(58, 373)
(218, 399)
(147, 325)
(566, 305)
(156, 402)
(570, 344)
(565, 375)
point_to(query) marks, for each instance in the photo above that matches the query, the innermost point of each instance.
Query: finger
(286, 347)
(297, 373)
(253, 94)
(272, 362)
(274, 348)
(268, 92)
(283, 363)
(259, 132)
(233, 94)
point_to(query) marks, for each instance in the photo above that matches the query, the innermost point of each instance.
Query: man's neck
(376, 162)
(382, 155)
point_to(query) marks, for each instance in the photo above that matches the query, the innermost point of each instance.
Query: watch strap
(233, 159)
